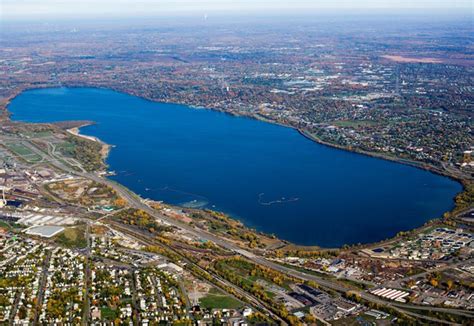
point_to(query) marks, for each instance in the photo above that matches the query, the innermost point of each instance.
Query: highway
(142, 237)
(137, 202)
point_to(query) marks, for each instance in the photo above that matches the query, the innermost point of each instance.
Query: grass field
(354, 123)
(107, 313)
(9, 225)
(66, 148)
(24, 152)
(39, 134)
(218, 300)
(73, 237)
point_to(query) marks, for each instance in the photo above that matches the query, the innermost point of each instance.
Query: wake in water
(282, 200)
(197, 201)
(186, 199)
(194, 204)
(126, 173)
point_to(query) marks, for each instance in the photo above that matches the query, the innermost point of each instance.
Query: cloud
(35, 8)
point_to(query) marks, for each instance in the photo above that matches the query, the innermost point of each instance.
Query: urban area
(78, 248)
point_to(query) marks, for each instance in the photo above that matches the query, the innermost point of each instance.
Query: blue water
(270, 177)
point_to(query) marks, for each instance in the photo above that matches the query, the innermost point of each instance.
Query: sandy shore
(417, 164)
(104, 152)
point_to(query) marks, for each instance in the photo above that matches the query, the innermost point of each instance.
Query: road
(398, 282)
(14, 310)
(142, 237)
(136, 202)
(42, 287)
(87, 276)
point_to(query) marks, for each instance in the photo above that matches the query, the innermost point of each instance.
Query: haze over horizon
(35, 9)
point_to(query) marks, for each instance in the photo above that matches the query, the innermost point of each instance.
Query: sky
(24, 9)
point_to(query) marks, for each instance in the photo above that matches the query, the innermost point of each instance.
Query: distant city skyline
(22, 9)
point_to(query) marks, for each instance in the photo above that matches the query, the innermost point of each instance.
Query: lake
(268, 176)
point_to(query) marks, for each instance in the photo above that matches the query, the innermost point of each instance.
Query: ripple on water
(313, 194)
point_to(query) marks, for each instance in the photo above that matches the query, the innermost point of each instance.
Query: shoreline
(420, 165)
(106, 148)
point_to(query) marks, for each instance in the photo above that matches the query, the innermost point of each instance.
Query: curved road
(137, 202)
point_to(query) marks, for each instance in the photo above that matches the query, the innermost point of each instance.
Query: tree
(313, 284)
(434, 282)
(120, 202)
(309, 319)
(450, 284)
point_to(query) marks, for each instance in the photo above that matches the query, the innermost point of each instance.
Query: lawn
(39, 134)
(73, 237)
(9, 225)
(354, 123)
(24, 152)
(66, 148)
(218, 300)
(108, 314)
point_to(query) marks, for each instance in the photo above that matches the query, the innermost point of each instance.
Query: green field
(354, 123)
(23, 151)
(38, 134)
(9, 225)
(66, 148)
(108, 314)
(72, 237)
(218, 300)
